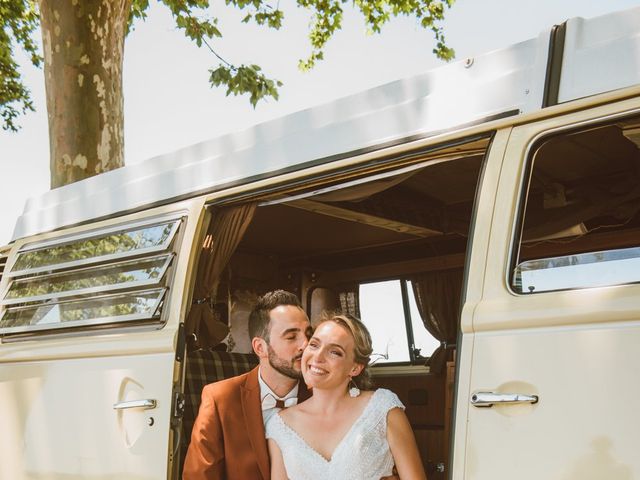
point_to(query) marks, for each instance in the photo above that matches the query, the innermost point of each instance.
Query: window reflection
(119, 274)
(587, 270)
(111, 244)
(108, 276)
(141, 305)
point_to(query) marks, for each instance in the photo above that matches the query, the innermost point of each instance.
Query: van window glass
(382, 311)
(581, 226)
(393, 320)
(93, 249)
(106, 277)
(128, 274)
(114, 307)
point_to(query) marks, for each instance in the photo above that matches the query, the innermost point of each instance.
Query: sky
(169, 103)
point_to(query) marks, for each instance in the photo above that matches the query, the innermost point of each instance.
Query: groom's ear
(259, 346)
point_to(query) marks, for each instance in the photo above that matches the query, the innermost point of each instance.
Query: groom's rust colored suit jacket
(227, 441)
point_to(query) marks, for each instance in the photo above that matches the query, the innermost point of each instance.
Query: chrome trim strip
(489, 399)
(68, 325)
(114, 328)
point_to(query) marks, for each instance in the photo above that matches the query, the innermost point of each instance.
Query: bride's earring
(354, 391)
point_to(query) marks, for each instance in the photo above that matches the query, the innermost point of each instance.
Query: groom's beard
(285, 367)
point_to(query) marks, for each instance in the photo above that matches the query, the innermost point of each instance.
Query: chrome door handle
(145, 404)
(488, 399)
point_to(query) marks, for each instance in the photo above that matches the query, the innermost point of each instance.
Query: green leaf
(19, 20)
(245, 79)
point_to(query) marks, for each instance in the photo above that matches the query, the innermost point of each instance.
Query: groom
(228, 439)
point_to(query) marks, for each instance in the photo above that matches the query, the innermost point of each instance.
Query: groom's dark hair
(259, 318)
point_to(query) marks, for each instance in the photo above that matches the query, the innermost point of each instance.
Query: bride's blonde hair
(363, 346)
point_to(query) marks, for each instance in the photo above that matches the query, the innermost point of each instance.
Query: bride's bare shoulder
(291, 412)
(364, 397)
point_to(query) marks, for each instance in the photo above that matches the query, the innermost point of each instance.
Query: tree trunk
(83, 43)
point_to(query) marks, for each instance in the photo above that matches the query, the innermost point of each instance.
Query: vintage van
(482, 218)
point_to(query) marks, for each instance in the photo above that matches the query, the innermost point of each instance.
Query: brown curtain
(350, 299)
(438, 299)
(227, 228)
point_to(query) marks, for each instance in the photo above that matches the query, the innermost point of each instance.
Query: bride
(344, 431)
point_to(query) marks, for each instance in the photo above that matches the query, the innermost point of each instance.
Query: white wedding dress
(362, 454)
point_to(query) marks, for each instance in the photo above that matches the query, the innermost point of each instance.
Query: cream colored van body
(545, 383)
(575, 349)
(61, 389)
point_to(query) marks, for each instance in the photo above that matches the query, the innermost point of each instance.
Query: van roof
(574, 60)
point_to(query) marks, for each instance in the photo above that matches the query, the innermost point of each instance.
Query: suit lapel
(252, 412)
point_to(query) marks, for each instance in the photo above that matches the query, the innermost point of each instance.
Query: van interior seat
(203, 367)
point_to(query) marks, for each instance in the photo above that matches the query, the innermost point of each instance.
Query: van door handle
(488, 399)
(145, 404)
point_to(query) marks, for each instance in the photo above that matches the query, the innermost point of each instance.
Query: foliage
(328, 19)
(111, 244)
(20, 18)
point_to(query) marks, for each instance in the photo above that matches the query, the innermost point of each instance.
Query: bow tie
(269, 401)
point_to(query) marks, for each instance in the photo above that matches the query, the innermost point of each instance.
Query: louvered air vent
(105, 277)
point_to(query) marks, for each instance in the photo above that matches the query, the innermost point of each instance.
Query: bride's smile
(313, 370)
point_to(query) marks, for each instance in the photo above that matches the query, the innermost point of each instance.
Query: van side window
(580, 225)
(389, 310)
(108, 277)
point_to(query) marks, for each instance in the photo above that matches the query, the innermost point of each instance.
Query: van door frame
(473, 284)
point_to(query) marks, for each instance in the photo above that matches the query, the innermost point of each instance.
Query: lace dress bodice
(362, 454)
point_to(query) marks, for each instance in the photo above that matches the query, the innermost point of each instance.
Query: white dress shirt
(265, 390)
